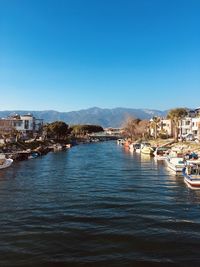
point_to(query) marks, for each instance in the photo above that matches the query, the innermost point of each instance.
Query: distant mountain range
(104, 117)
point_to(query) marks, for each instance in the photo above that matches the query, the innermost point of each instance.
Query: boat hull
(157, 157)
(147, 150)
(193, 182)
(177, 168)
(138, 150)
(7, 164)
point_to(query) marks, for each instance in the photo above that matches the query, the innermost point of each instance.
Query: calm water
(97, 205)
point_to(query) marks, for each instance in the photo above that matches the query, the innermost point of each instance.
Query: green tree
(57, 130)
(82, 130)
(175, 115)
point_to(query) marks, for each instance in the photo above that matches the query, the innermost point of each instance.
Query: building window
(26, 125)
(17, 123)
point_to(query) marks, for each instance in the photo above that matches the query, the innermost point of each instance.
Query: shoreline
(20, 151)
(185, 147)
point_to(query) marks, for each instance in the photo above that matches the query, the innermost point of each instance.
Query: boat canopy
(193, 168)
(163, 148)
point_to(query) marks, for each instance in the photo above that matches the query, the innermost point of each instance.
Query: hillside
(104, 117)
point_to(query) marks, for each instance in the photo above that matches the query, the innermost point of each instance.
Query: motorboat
(137, 147)
(132, 147)
(4, 162)
(57, 147)
(191, 173)
(161, 153)
(146, 149)
(175, 163)
(120, 141)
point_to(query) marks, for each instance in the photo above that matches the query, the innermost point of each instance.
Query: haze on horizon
(71, 55)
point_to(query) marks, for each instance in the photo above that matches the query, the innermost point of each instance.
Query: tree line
(136, 128)
(60, 130)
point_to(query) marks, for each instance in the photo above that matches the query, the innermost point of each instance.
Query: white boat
(5, 163)
(57, 147)
(137, 148)
(161, 153)
(132, 147)
(175, 163)
(120, 141)
(191, 174)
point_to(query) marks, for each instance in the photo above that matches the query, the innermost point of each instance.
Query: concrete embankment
(184, 147)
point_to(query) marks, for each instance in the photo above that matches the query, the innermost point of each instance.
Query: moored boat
(191, 173)
(176, 164)
(161, 153)
(147, 149)
(131, 147)
(120, 141)
(137, 148)
(4, 162)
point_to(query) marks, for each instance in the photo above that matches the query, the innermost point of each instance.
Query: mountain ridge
(105, 117)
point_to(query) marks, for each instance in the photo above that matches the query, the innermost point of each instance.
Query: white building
(166, 126)
(24, 124)
(190, 126)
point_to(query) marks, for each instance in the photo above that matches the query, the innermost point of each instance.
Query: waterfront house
(164, 127)
(24, 124)
(190, 126)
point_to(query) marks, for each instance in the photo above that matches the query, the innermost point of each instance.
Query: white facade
(185, 126)
(191, 126)
(166, 126)
(196, 126)
(26, 123)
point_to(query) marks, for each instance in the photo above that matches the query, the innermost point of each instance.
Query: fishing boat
(191, 173)
(5, 163)
(161, 153)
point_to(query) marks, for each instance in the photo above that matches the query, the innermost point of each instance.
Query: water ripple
(97, 205)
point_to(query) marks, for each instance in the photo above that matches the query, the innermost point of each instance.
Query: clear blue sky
(73, 54)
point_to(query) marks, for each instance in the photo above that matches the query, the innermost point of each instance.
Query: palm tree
(175, 115)
(154, 123)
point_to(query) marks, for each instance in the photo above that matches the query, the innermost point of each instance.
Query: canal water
(97, 205)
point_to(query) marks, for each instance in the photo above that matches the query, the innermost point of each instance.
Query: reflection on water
(145, 157)
(97, 205)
